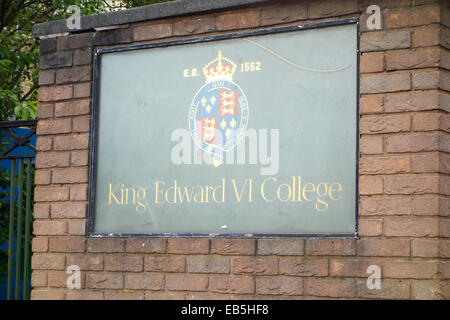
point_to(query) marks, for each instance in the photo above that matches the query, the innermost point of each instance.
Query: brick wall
(404, 173)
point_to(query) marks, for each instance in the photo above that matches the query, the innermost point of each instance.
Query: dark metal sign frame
(94, 131)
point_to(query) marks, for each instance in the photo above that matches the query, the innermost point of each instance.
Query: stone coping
(145, 13)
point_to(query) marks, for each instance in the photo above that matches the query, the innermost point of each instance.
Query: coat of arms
(218, 114)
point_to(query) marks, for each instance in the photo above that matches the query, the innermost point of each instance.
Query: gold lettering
(112, 196)
(157, 191)
(223, 191)
(262, 188)
(321, 194)
(331, 190)
(278, 192)
(305, 189)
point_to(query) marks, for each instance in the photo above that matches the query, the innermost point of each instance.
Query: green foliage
(19, 71)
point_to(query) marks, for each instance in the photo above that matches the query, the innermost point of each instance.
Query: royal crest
(218, 114)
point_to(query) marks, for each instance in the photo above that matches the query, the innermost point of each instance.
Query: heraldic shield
(218, 114)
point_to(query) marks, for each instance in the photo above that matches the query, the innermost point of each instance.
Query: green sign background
(144, 95)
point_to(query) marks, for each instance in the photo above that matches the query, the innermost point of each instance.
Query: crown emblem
(219, 68)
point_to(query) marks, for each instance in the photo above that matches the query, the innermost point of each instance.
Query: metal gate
(17, 154)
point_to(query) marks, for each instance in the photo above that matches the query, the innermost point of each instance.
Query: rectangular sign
(252, 134)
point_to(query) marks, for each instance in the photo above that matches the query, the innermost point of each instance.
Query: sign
(251, 134)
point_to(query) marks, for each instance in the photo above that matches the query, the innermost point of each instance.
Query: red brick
(208, 264)
(45, 110)
(371, 104)
(48, 261)
(42, 177)
(282, 247)
(77, 227)
(38, 279)
(51, 194)
(163, 295)
(444, 248)
(46, 77)
(370, 227)
(343, 288)
(82, 90)
(188, 245)
(106, 245)
(369, 185)
(237, 20)
(411, 227)
(426, 290)
(383, 247)
(412, 59)
(81, 124)
(304, 267)
(194, 25)
(401, 269)
(73, 244)
(279, 285)
(41, 211)
(57, 279)
(389, 82)
(371, 145)
(124, 295)
(425, 162)
(73, 108)
(154, 31)
(84, 295)
(412, 143)
(411, 17)
(232, 284)
(48, 228)
(44, 143)
(104, 280)
(75, 74)
(425, 205)
(152, 245)
(352, 267)
(385, 205)
(444, 227)
(320, 9)
(72, 142)
(411, 184)
(79, 158)
(82, 56)
(75, 41)
(428, 121)
(39, 244)
(411, 101)
(78, 192)
(52, 159)
(165, 263)
(426, 80)
(385, 164)
(385, 40)
(51, 126)
(255, 265)
(70, 175)
(424, 248)
(233, 246)
(55, 93)
(426, 36)
(286, 13)
(185, 282)
(330, 247)
(148, 281)
(48, 294)
(86, 262)
(390, 289)
(374, 124)
(372, 62)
